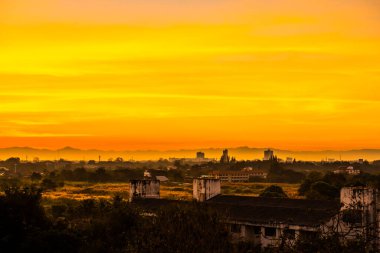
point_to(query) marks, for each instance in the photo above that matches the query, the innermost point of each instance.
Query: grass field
(172, 190)
(254, 189)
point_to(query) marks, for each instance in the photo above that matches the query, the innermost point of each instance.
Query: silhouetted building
(268, 155)
(200, 155)
(225, 158)
(289, 160)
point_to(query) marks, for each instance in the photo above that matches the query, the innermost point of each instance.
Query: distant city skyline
(210, 154)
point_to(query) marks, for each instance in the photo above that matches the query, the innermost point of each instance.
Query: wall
(255, 233)
(366, 200)
(144, 189)
(205, 188)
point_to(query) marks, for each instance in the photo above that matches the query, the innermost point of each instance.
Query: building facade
(144, 189)
(238, 176)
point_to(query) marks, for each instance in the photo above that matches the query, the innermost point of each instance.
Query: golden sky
(168, 74)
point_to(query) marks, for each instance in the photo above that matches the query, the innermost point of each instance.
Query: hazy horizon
(240, 153)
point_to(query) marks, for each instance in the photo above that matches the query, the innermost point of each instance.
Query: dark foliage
(277, 174)
(273, 191)
(327, 187)
(106, 226)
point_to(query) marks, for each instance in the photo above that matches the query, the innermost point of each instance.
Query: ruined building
(238, 176)
(144, 189)
(204, 189)
(265, 221)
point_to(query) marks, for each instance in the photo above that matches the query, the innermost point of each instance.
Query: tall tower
(268, 155)
(225, 158)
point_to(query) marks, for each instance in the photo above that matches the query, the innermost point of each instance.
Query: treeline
(103, 175)
(277, 174)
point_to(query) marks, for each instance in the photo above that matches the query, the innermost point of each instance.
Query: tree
(48, 184)
(184, 228)
(13, 160)
(273, 191)
(100, 175)
(119, 160)
(277, 174)
(306, 184)
(91, 162)
(80, 174)
(36, 176)
(322, 191)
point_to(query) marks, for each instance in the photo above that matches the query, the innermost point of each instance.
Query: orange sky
(167, 74)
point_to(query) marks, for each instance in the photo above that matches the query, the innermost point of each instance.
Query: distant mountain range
(240, 153)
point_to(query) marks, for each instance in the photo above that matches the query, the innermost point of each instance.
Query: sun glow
(171, 74)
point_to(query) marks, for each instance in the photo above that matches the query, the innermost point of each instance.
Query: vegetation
(327, 186)
(273, 191)
(106, 226)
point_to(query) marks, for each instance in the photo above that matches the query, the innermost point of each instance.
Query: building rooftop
(257, 210)
(275, 202)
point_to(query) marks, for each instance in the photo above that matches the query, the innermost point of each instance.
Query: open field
(254, 189)
(172, 190)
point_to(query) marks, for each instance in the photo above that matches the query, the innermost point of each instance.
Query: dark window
(235, 228)
(290, 233)
(270, 232)
(308, 235)
(257, 230)
(352, 216)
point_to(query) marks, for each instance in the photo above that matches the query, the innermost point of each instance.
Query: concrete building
(349, 171)
(268, 155)
(265, 221)
(144, 189)
(361, 212)
(238, 176)
(205, 188)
